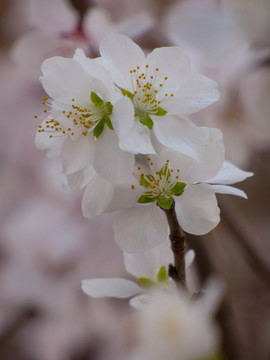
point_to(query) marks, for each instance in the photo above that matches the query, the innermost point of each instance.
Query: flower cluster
(119, 124)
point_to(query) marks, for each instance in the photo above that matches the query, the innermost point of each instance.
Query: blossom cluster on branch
(119, 124)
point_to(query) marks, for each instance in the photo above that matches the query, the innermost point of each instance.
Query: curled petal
(229, 174)
(225, 189)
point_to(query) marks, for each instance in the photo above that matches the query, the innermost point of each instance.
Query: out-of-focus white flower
(174, 177)
(149, 267)
(98, 22)
(160, 86)
(34, 46)
(173, 327)
(204, 28)
(252, 17)
(59, 14)
(84, 112)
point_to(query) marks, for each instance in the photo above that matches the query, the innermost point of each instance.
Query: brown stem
(178, 246)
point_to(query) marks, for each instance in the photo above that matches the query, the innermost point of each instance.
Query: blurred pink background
(47, 247)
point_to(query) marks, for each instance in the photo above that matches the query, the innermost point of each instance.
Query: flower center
(146, 94)
(160, 185)
(79, 120)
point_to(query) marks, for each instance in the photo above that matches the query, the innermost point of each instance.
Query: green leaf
(143, 199)
(178, 188)
(109, 107)
(162, 275)
(96, 100)
(160, 112)
(146, 283)
(108, 122)
(99, 129)
(165, 203)
(127, 93)
(147, 121)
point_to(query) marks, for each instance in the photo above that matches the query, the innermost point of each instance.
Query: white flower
(160, 86)
(173, 327)
(150, 269)
(175, 177)
(98, 22)
(85, 108)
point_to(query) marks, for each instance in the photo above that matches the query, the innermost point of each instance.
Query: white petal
(195, 94)
(111, 162)
(96, 69)
(121, 55)
(214, 291)
(140, 228)
(230, 174)
(80, 179)
(147, 263)
(125, 196)
(96, 197)
(139, 301)
(197, 210)
(224, 189)
(211, 157)
(171, 62)
(133, 136)
(52, 145)
(64, 79)
(189, 258)
(77, 154)
(180, 135)
(110, 287)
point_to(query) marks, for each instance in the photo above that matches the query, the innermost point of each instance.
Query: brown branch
(178, 246)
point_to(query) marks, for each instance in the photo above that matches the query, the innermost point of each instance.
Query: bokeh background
(47, 247)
